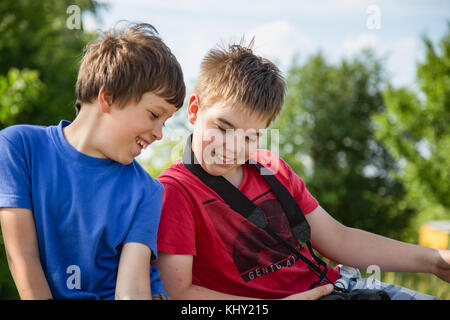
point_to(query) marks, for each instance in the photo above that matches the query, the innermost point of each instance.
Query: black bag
(357, 294)
(246, 208)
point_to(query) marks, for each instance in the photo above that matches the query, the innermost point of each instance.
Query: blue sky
(284, 28)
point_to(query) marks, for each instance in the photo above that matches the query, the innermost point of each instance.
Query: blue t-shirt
(84, 208)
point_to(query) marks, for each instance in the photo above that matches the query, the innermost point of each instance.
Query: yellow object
(435, 234)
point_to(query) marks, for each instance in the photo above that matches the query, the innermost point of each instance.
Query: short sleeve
(15, 180)
(144, 227)
(301, 194)
(177, 229)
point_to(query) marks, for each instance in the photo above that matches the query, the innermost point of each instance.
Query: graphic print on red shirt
(254, 252)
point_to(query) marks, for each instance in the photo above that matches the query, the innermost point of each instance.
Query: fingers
(441, 266)
(312, 294)
(318, 292)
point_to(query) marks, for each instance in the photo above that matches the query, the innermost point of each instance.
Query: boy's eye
(251, 139)
(155, 116)
(222, 129)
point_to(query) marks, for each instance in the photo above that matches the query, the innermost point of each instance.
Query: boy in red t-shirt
(207, 250)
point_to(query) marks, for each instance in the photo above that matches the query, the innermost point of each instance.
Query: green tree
(327, 136)
(415, 129)
(34, 36)
(20, 91)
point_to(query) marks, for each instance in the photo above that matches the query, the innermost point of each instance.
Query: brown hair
(128, 64)
(236, 74)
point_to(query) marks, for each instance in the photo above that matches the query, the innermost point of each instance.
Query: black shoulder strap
(244, 206)
(299, 226)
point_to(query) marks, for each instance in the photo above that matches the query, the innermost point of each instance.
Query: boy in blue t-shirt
(79, 215)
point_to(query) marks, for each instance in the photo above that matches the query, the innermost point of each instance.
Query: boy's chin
(125, 160)
(219, 169)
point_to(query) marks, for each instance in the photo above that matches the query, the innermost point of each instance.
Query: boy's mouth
(223, 159)
(142, 143)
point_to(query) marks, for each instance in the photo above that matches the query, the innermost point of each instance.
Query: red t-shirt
(231, 255)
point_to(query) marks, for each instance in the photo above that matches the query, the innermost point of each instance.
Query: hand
(312, 294)
(441, 268)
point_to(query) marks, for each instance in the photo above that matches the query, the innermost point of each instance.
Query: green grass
(425, 283)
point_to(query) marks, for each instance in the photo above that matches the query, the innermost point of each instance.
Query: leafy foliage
(35, 37)
(415, 128)
(19, 93)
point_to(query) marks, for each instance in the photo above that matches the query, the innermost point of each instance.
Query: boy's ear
(104, 100)
(194, 104)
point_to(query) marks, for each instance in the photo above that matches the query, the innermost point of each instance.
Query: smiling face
(225, 136)
(126, 131)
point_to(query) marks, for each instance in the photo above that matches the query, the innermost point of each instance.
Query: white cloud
(90, 23)
(280, 41)
(275, 40)
(354, 45)
(401, 54)
(192, 54)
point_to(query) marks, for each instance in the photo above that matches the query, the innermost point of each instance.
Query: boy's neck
(80, 134)
(236, 176)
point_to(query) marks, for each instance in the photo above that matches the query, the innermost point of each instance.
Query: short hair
(128, 63)
(236, 74)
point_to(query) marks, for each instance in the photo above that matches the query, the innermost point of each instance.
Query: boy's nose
(157, 133)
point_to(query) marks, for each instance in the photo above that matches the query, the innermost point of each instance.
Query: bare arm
(176, 274)
(133, 277)
(358, 248)
(22, 251)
